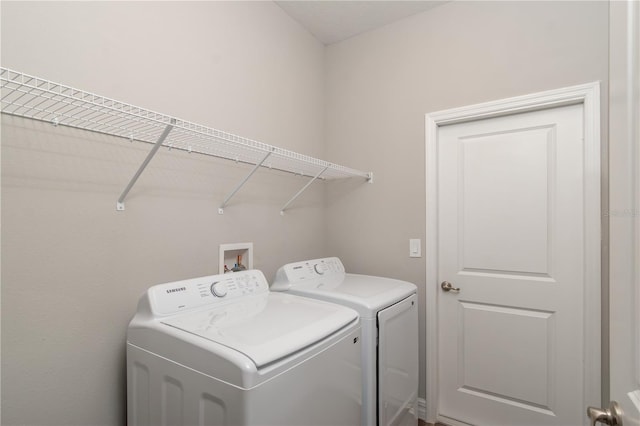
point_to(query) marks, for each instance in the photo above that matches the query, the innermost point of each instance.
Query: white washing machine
(388, 310)
(223, 350)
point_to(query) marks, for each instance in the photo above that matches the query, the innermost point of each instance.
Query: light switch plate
(415, 248)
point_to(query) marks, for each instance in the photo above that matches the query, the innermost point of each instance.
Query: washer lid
(326, 279)
(266, 327)
(364, 293)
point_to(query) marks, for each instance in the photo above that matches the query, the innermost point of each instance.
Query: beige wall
(72, 267)
(379, 85)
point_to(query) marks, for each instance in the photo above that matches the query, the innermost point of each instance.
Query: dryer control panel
(174, 297)
(299, 272)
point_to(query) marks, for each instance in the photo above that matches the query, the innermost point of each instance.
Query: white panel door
(511, 221)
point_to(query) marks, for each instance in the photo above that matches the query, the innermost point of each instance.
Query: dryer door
(398, 363)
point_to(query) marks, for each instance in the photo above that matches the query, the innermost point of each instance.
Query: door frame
(589, 96)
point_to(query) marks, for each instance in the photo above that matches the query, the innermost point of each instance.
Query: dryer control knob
(219, 289)
(319, 268)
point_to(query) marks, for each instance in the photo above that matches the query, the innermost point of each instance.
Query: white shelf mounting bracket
(302, 190)
(156, 146)
(241, 184)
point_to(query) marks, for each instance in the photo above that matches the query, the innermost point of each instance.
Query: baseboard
(422, 409)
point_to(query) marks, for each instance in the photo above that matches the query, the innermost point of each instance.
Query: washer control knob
(219, 289)
(319, 268)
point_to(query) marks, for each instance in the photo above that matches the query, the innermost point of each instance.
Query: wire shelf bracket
(301, 191)
(241, 184)
(35, 98)
(156, 146)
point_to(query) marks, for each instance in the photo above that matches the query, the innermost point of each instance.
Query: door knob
(611, 416)
(447, 286)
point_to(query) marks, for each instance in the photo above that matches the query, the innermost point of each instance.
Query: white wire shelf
(32, 97)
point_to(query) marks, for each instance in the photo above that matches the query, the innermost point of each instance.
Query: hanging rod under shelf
(32, 97)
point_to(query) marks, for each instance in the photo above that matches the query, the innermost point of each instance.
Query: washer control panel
(299, 272)
(170, 298)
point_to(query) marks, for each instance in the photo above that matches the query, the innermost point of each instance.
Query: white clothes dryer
(224, 350)
(388, 310)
